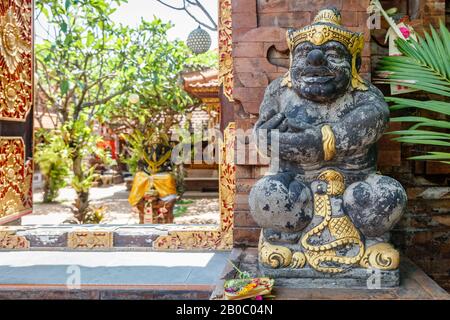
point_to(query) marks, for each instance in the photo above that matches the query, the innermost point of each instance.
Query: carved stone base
(414, 283)
(353, 278)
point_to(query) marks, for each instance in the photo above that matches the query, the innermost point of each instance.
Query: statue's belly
(354, 168)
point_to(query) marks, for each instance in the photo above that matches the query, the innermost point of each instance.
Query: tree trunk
(47, 190)
(51, 190)
(82, 201)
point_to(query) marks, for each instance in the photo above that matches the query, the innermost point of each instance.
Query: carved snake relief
(340, 228)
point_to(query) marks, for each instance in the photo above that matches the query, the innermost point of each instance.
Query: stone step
(414, 284)
(109, 275)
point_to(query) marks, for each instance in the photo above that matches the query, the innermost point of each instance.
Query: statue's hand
(303, 146)
(297, 126)
(274, 122)
(277, 122)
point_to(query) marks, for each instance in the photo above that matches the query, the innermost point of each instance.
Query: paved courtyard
(111, 268)
(118, 211)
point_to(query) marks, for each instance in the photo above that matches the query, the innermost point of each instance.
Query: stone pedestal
(413, 282)
(153, 210)
(310, 278)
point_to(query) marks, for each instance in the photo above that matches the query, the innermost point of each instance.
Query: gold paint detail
(15, 60)
(287, 82)
(272, 255)
(16, 177)
(212, 107)
(276, 256)
(9, 240)
(319, 256)
(328, 142)
(225, 49)
(335, 182)
(206, 237)
(328, 16)
(90, 239)
(298, 260)
(381, 256)
(11, 43)
(327, 27)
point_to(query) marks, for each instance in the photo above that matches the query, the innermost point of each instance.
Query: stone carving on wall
(83, 239)
(325, 210)
(15, 59)
(9, 240)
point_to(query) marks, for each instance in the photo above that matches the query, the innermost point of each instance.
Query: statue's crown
(327, 26)
(329, 16)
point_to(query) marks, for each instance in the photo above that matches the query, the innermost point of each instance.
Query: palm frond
(431, 105)
(423, 122)
(441, 156)
(419, 133)
(424, 65)
(423, 141)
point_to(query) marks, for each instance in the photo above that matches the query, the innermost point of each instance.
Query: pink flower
(405, 31)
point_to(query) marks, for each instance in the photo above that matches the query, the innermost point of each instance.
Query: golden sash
(164, 183)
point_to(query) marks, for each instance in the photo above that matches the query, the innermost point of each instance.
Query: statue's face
(321, 73)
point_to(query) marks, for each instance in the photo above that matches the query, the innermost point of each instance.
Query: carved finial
(329, 15)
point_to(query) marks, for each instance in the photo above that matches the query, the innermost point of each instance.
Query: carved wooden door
(16, 109)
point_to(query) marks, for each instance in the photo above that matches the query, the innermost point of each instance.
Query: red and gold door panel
(16, 108)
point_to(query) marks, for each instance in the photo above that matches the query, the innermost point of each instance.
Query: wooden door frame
(174, 237)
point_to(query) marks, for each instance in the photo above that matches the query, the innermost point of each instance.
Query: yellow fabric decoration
(164, 183)
(141, 184)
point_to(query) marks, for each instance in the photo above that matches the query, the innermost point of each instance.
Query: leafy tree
(52, 156)
(147, 115)
(87, 69)
(77, 73)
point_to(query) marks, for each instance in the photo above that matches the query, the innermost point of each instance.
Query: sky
(130, 14)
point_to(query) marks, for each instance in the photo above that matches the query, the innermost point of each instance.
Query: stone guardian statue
(326, 213)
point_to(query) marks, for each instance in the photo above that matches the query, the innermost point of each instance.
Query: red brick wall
(260, 55)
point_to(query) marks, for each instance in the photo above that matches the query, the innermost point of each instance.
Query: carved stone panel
(90, 239)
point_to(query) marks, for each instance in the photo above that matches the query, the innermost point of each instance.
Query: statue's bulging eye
(333, 54)
(303, 51)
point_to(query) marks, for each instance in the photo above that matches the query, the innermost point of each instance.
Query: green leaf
(90, 38)
(423, 137)
(420, 141)
(423, 121)
(419, 132)
(63, 26)
(431, 105)
(424, 66)
(64, 86)
(433, 156)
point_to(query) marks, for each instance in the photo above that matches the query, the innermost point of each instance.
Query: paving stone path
(119, 211)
